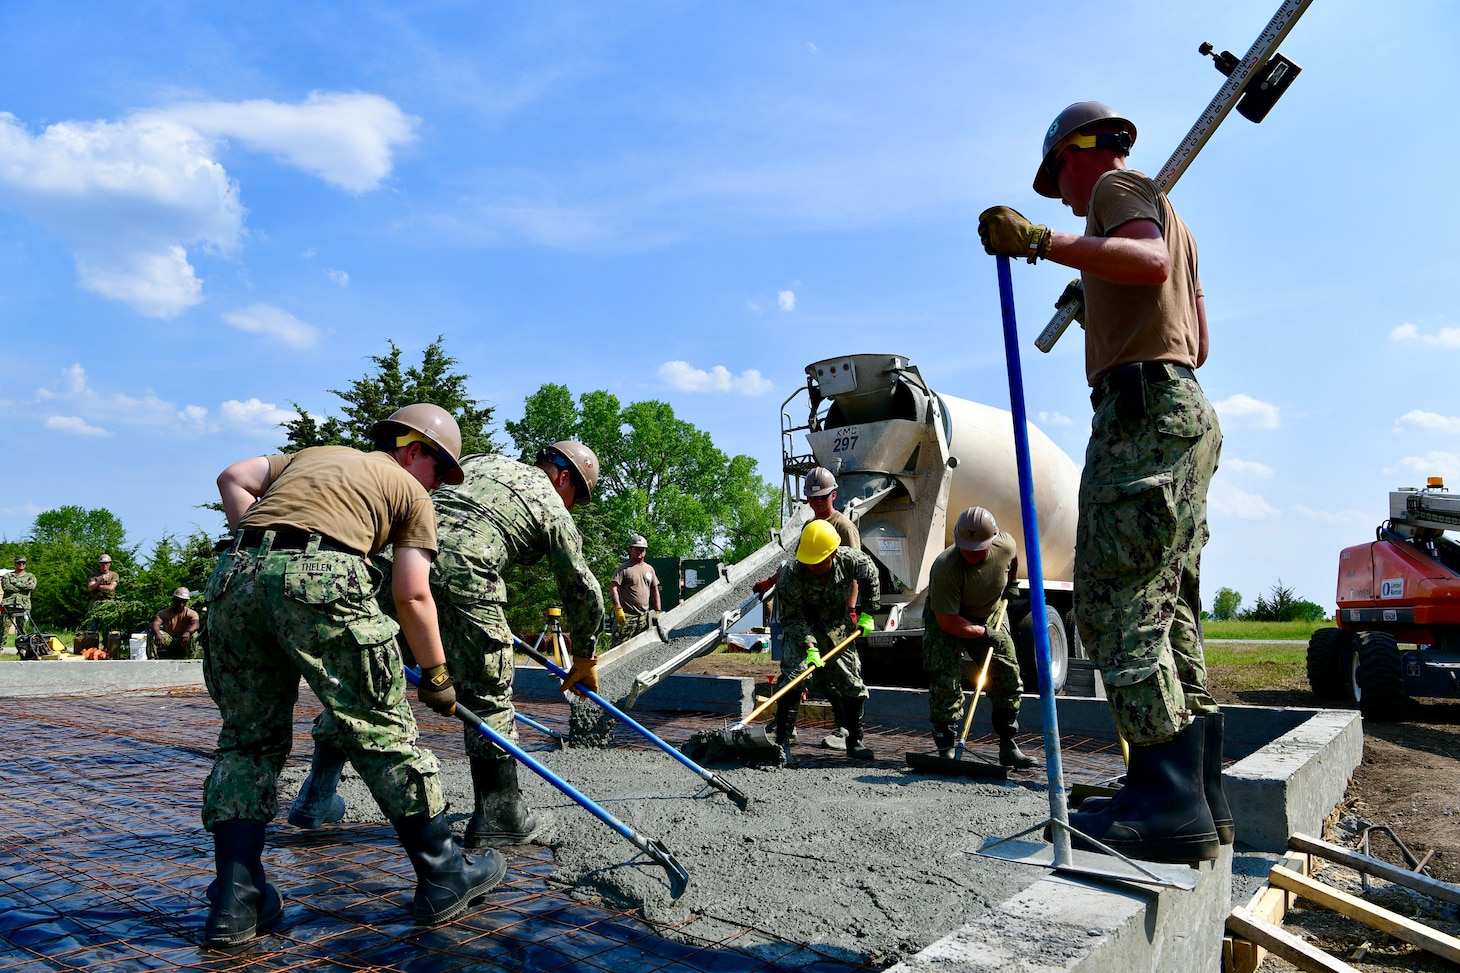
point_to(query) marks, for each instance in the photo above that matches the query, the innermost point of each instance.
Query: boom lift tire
(1378, 677)
(1059, 651)
(1328, 663)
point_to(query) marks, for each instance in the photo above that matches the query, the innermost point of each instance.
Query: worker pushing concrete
(967, 582)
(826, 596)
(295, 596)
(635, 593)
(1154, 445)
(502, 513)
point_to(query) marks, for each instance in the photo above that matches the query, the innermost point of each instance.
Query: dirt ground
(1409, 780)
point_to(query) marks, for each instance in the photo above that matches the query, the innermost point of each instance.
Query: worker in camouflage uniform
(634, 589)
(15, 592)
(101, 587)
(1154, 445)
(827, 594)
(296, 596)
(502, 513)
(965, 585)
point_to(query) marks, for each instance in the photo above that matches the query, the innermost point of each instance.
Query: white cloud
(684, 377)
(273, 322)
(75, 426)
(1434, 463)
(130, 197)
(1237, 503)
(338, 276)
(1336, 518)
(1246, 468)
(786, 300)
(255, 417)
(308, 252)
(1244, 410)
(1055, 419)
(812, 47)
(753, 306)
(1428, 420)
(1447, 338)
(346, 139)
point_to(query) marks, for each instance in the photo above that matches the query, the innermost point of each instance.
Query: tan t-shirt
(956, 587)
(845, 529)
(634, 582)
(362, 500)
(176, 621)
(1140, 322)
(106, 577)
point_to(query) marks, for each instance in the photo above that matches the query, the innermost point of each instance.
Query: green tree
(1282, 604)
(1226, 605)
(660, 476)
(377, 394)
(63, 546)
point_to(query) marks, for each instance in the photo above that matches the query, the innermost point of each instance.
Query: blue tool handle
(1054, 766)
(714, 780)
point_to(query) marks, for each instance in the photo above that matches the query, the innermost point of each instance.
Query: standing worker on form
(295, 596)
(1154, 444)
(635, 593)
(965, 585)
(826, 595)
(502, 513)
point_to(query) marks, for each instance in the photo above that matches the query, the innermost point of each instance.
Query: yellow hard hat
(818, 541)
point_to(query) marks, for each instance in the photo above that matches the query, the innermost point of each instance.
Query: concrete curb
(97, 677)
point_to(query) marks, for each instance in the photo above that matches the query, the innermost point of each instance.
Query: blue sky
(208, 212)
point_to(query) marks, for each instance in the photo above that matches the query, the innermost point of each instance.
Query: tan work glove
(1006, 232)
(584, 673)
(437, 690)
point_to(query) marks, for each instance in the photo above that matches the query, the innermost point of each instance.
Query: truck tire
(1072, 632)
(1059, 651)
(1378, 680)
(1328, 663)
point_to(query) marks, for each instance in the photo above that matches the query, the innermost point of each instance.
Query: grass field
(1262, 630)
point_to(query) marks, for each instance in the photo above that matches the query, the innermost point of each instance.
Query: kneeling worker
(826, 595)
(296, 597)
(174, 628)
(965, 584)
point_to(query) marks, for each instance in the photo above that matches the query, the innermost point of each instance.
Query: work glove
(813, 655)
(1012, 592)
(619, 617)
(865, 625)
(1005, 232)
(437, 690)
(583, 675)
(855, 619)
(761, 587)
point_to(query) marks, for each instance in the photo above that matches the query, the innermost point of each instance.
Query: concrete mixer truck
(908, 460)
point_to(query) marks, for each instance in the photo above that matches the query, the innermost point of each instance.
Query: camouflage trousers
(478, 646)
(1143, 523)
(10, 621)
(165, 646)
(840, 677)
(275, 617)
(944, 660)
(633, 625)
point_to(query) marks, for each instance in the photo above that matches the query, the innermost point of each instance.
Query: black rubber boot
(945, 739)
(242, 905)
(1214, 726)
(856, 749)
(787, 709)
(1006, 725)
(838, 739)
(317, 803)
(1161, 813)
(501, 816)
(447, 881)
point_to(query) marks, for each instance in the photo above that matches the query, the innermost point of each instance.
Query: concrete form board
(92, 677)
(1078, 925)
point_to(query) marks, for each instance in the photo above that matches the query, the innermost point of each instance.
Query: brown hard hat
(638, 541)
(976, 529)
(819, 482)
(105, 557)
(182, 593)
(581, 460)
(1067, 123)
(436, 426)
